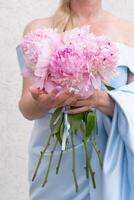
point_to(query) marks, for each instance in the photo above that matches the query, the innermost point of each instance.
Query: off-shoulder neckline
(124, 45)
(117, 43)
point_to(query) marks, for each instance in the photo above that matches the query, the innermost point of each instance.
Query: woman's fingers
(55, 98)
(86, 102)
(34, 92)
(79, 110)
(81, 103)
(62, 97)
(55, 91)
(90, 101)
(52, 95)
(72, 100)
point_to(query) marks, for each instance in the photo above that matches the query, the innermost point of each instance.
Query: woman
(115, 119)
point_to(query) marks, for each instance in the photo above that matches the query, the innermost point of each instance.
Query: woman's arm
(29, 104)
(105, 103)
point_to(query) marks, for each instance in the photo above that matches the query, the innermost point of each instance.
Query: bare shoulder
(37, 23)
(127, 30)
(124, 28)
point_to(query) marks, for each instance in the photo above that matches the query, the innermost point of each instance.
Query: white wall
(14, 129)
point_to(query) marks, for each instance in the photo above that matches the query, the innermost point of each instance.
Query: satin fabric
(114, 136)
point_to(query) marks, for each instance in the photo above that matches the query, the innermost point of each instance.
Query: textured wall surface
(14, 129)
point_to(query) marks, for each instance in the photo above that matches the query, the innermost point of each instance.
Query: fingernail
(57, 91)
(58, 88)
(76, 91)
(71, 90)
(30, 89)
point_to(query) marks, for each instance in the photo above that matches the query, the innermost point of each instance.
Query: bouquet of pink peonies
(78, 60)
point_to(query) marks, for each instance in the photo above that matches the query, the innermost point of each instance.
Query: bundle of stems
(83, 122)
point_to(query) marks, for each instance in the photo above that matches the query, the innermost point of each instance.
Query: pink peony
(74, 59)
(69, 67)
(37, 47)
(106, 58)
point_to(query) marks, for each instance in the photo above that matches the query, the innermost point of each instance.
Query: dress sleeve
(118, 162)
(21, 59)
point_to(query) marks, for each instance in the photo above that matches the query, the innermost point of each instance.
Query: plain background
(14, 129)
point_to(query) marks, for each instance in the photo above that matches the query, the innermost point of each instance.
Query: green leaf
(55, 127)
(85, 116)
(58, 137)
(61, 130)
(109, 87)
(90, 123)
(58, 129)
(75, 122)
(55, 114)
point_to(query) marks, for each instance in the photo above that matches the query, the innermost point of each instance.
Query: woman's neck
(86, 10)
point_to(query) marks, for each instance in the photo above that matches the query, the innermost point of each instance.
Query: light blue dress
(114, 136)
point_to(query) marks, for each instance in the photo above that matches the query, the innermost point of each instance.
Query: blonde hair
(63, 19)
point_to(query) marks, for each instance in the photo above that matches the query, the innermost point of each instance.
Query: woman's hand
(35, 103)
(53, 99)
(99, 100)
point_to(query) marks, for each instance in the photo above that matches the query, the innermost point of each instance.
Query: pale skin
(35, 103)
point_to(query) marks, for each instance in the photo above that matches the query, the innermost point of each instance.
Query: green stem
(41, 157)
(86, 170)
(59, 162)
(73, 163)
(92, 173)
(49, 165)
(96, 150)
